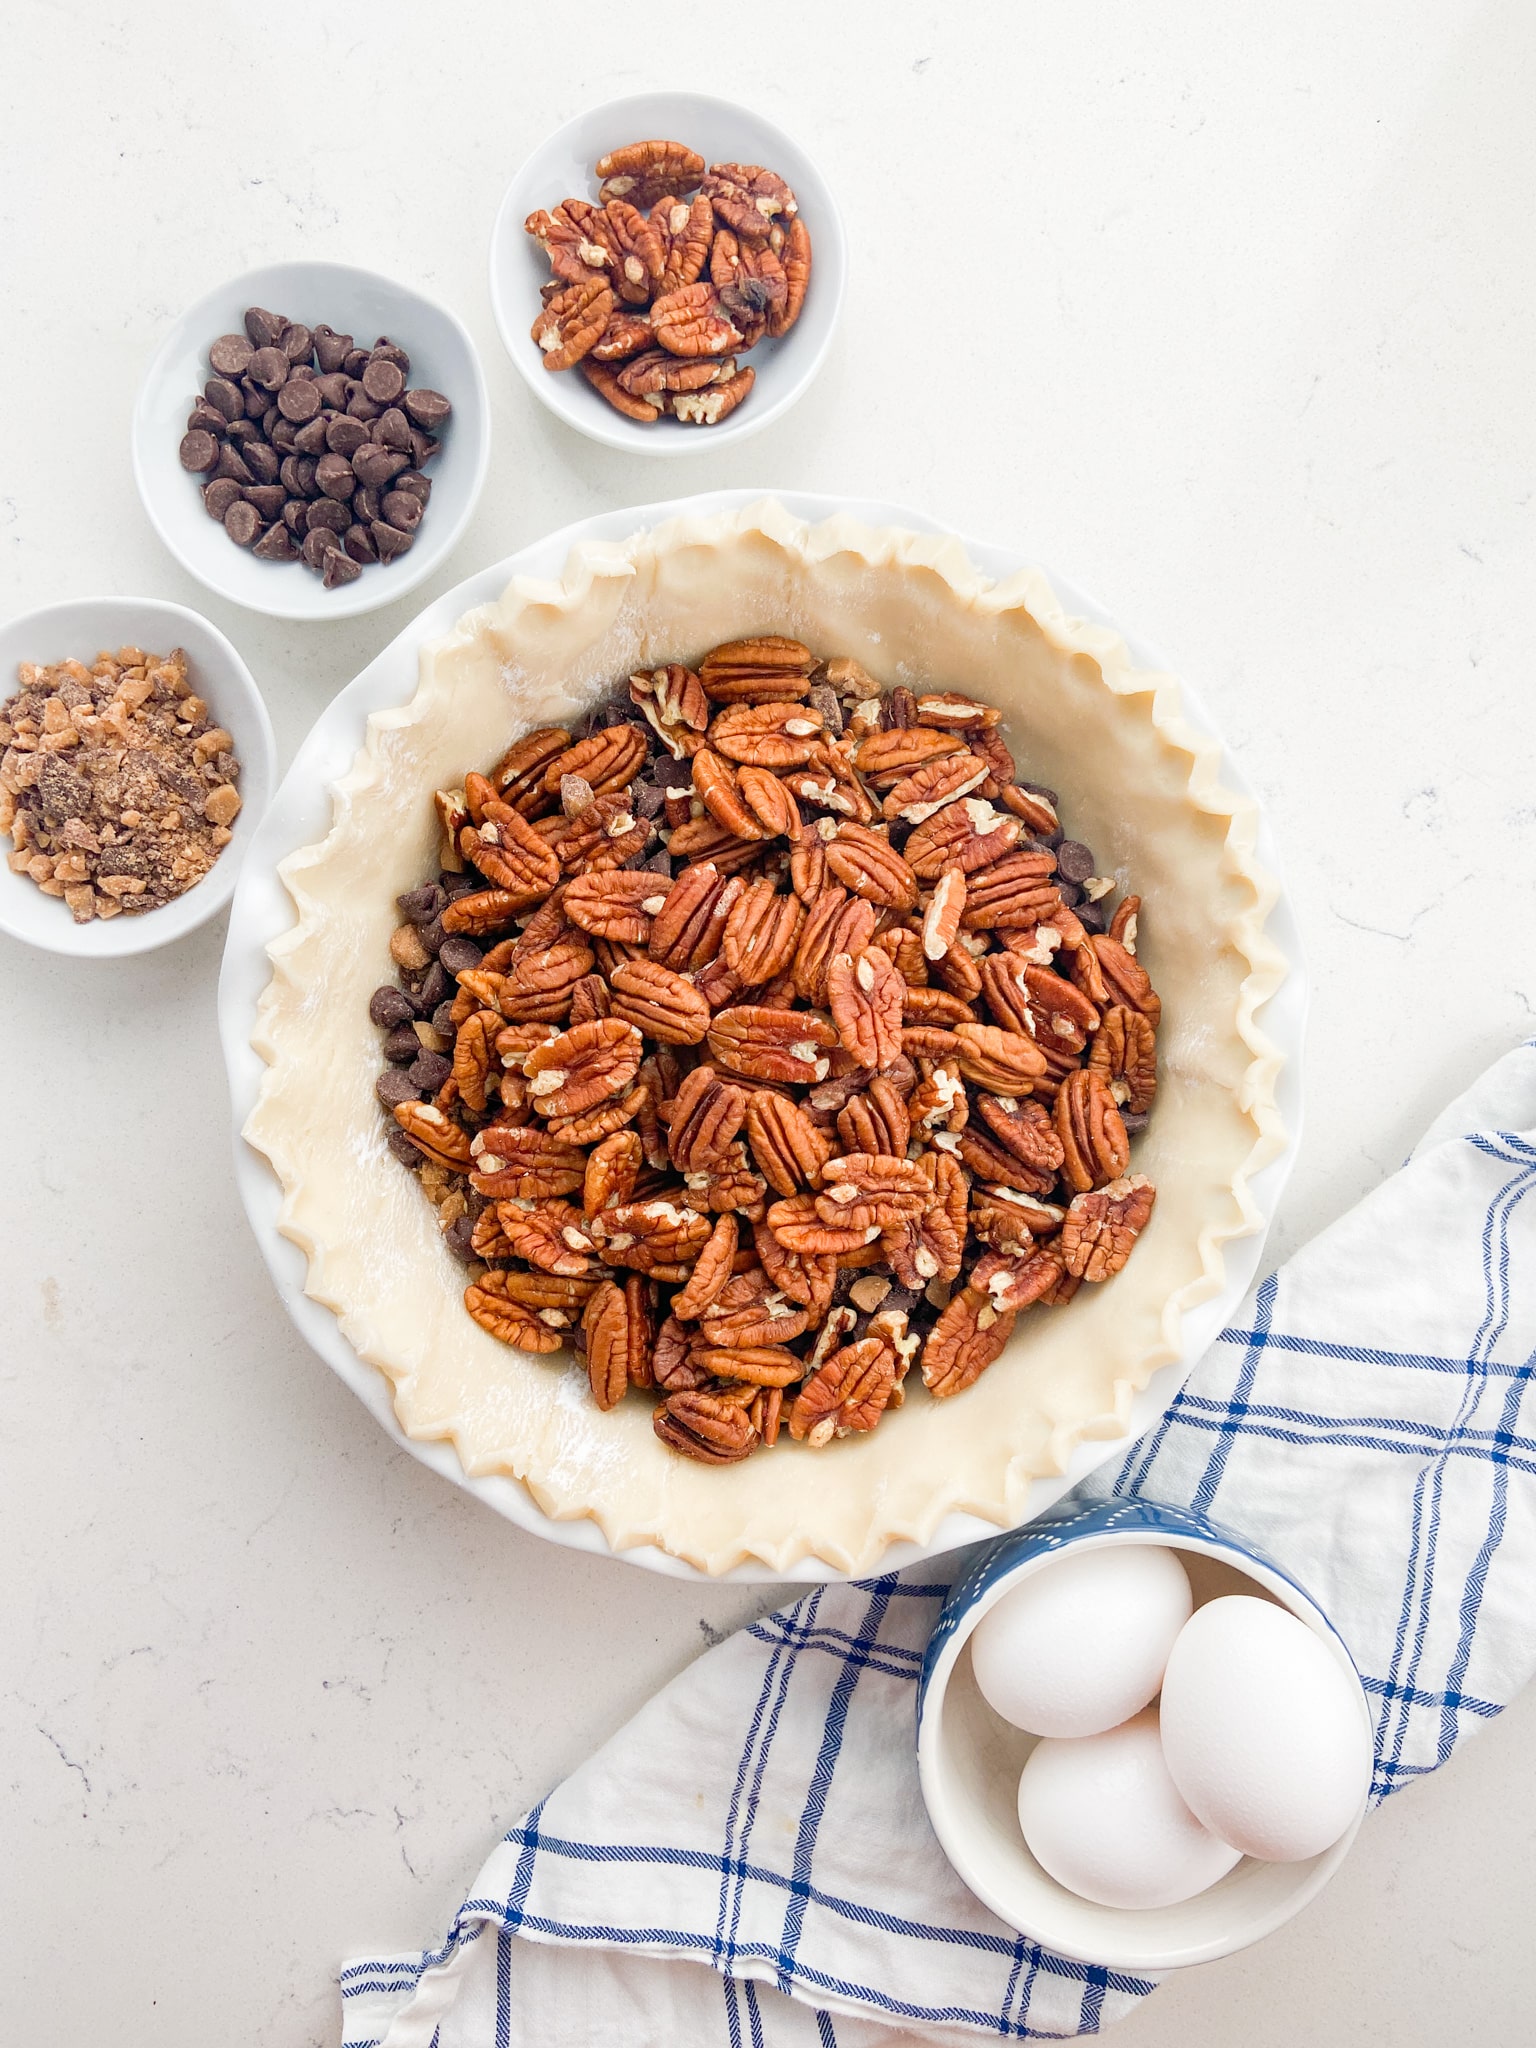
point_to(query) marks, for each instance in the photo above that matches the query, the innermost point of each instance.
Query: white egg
(1263, 1731)
(1081, 1644)
(1103, 1817)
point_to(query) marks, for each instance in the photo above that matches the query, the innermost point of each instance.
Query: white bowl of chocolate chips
(311, 439)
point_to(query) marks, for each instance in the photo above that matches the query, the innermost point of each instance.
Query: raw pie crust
(1135, 783)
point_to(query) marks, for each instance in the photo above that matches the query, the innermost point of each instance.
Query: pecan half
(690, 322)
(707, 1112)
(931, 786)
(433, 1132)
(748, 199)
(790, 1150)
(619, 1327)
(1126, 981)
(518, 777)
(769, 801)
(604, 380)
(573, 322)
(1016, 890)
(673, 701)
(767, 670)
(657, 373)
(617, 904)
(870, 866)
(714, 1428)
(968, 1336)
(608, 760)
(583, 1066)
(551, 1235)
(798, 1226)
(709, 407)
(482, 912)
(941, 919)
(652, 1234)
(474, 1058)
(525, 1329)
(772, 1045)
(1004, 1061)
(876, 1120)
(643, 171)
(1015, 1283)
(711, 1271)
(1010, 1220)
(1095, 1146)
(659, 1002)
(626, 334)
(687, 228)
(690, 927)
(864, 1190)
(561, 233)
(772, 735)
(795, 257)
(636, 252)
(835, 923)
(751, 1310)
(866, 994)
(969, 835)
(1124, 1051)
(509, 853)
(849, 1393)
(613, 1166)
(1101, 1229)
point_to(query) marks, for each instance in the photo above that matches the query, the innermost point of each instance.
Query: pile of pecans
(655, 293)
(313, 448)
(764, 1037)
(116, 785)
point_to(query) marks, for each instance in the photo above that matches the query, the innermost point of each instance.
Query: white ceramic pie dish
(561, 168)
(264, 912)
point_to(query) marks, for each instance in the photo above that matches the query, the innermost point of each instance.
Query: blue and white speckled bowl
(969, 1760)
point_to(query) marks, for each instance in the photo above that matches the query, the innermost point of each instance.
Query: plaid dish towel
(1367, 1421)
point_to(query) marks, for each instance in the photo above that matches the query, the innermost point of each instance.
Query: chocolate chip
(219, 496)
(386, 351)
(389, 1006)
(296, 342)
(429, 1070)
(442, 1020)
(392, 430)
(339, 567)
(334, 475)
(377, 466)
(413, 481)
(825, 700)
(358, 542)
(268, 499)
(401, 1145)
(1093, 917)
(199, 451)
(382, 381)
(420, 906)
(232, 463)
(344, 436)
(262, 461)
(354, 362)
(423, 447)
(310, 439)
(365, 503)
(230, 354)
(648, 799)
(319, 541)
(402, 509)
(298, 475)
(262, 327)
(333, 390)
(1069, 893)
(1134, 1120)
(283, 434)
(327, 512)
(361, 406)
(276, 545)
(428, 409)
(431, 935)
(672, 774)
(394, 1087)
(298, 400)
(204, 415)
(242, 523)
(389, 540)
(256, 398)
(268, 368)
(242, 432)
(1074, 861)
(294, 513)
(225, 398)
(658, 863)
(402, 1045)
(458, 955)
(459, 1238)
(331, 348)
(435, 986)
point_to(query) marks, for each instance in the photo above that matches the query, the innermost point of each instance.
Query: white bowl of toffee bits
(136, 759)
(311, 439)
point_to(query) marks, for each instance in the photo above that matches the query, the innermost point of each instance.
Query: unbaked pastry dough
(1136, 784)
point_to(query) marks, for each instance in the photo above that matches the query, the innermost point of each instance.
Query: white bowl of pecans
(667, 272)
(136, 759)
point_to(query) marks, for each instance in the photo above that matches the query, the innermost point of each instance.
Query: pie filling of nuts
(764, 1038)
(674, 273)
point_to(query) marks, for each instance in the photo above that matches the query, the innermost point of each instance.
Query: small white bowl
(561, 168)
(357, 302)
(969, 1760)
(79, 632)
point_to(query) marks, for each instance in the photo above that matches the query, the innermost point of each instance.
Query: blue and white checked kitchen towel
(748, 1861)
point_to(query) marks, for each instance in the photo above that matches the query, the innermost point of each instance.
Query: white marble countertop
(1231, 317)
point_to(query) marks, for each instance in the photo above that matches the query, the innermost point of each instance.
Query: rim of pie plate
(1136, 782)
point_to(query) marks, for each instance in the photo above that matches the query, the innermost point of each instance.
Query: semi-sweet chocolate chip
(199, 450)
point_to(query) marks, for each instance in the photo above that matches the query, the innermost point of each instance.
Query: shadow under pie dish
(912, 612)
